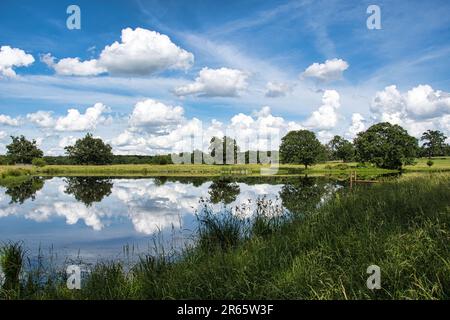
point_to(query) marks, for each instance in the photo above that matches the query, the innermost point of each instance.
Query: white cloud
(328, 71)
(75, 121)
(150, 114)
(325, 117)
(140, 52)
(3, 135)
(419, 109)
(358, 125)
(13, 57)
(43, 119)
(277, 89)
(67, 141)
(221, 82)
(7, 120)
(73, 66)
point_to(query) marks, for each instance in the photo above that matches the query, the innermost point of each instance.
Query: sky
(154, 77)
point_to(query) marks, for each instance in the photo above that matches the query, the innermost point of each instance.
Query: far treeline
(384, 145)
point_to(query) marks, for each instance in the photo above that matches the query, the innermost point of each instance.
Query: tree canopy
(341, 149)
(90, 150)
(434, 143)
(385, 145)
(301, 147)
(21, 150)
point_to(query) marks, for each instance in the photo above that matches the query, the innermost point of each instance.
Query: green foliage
(430, 163)
(385, 145)
(341, 149)
(90, 150)
(434, 144)
(39, 162)
(301, 147)
(21, 150)
(11, 262)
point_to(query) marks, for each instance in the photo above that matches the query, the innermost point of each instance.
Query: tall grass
(403, 226)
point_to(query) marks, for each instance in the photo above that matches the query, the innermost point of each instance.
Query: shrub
(341, 166)
(39, 162)
(430, 163)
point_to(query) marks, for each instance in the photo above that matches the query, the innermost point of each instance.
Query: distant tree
(434, 144)
(301, 147)
(21, 150)
(38, 162)
(223, 150)
(386, 145)
(341, 149)
(90, 150)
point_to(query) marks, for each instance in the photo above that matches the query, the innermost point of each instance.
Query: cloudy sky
(148, 75)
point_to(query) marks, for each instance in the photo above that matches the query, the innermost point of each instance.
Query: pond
(96, 218)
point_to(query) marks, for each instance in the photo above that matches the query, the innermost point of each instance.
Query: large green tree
(434, 143)
(301, 147)
(90, 150)
(21, 150)
(386, 145)
(341, 149)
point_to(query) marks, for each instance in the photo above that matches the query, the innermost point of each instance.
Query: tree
(224, 150)
(301, 147)
(434, 144)
(341, 149)
(21, 150)
(90, 150)
(385, 145)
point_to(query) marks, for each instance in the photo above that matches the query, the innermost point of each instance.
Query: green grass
(403, 226)
(191, 170)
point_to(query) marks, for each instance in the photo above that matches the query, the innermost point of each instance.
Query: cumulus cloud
(43, 119)
(223, 82)
(418, 109)
(11, 58)
(140, 52)
(325, 117)
(73, 66)
(329, 71)
(7, 120)
(277, 89)
(150, 114)
(358, 125)
(76, 121)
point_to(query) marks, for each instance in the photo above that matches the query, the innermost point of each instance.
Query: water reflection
(25, 190)
(88, 189)
(99, 215)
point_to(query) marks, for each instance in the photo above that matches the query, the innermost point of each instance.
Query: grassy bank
(402, 226)
(331, 167)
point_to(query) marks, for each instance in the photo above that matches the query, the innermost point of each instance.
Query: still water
(94, 218)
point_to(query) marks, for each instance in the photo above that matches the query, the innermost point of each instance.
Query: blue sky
(314, 64)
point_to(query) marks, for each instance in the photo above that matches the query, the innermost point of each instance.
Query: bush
(430, 163)
(341, 166)
(39, 162)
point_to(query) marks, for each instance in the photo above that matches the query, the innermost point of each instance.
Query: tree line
(383, 145)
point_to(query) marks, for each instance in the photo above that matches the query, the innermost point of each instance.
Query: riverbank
(328, 168)
(402, 226)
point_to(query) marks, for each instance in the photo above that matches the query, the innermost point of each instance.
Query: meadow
(400, 225)
(187, 170)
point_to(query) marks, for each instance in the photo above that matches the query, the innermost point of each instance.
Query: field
(402, 226)
(332, 167)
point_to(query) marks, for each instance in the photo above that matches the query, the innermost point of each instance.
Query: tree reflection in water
(303, 195)
(223, 190)
(25, 190)
(88, 189)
